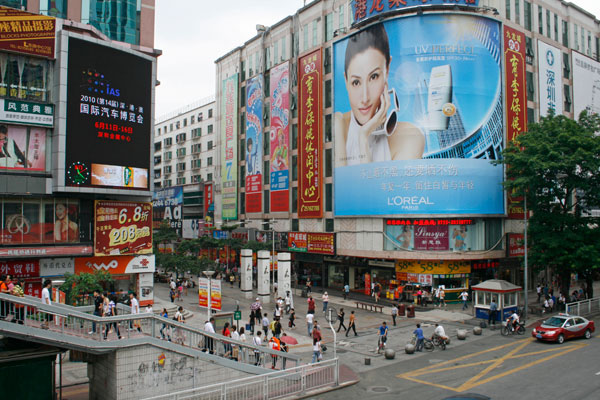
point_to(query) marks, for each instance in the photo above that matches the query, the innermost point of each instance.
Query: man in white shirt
(464, 296)
(257, 341)
(46, 300)
(135, 309)
(440, 332)
(173, 285)
(309, 323)
(288, 302)
(209, 328)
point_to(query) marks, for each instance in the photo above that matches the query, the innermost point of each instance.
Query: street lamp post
(526, 299)
(209, 274)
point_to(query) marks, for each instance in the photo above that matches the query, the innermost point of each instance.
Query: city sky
(192, 34)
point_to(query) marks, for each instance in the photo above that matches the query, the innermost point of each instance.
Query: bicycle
(507, 328)
(427, 343)
(380, 344)
(438, 341)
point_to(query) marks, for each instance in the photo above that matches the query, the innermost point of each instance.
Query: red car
(563, 326)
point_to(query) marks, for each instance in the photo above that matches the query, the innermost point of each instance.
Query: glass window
(329, 225)
(328, 93)
(568, 101)
(576, 36)
(294, 136)
(266, 199)
(283, 53)
(294, 168)
(565, 33)
(328, 129)
(315, 26)
(210, 113)
(119, 20)
(527, 15)
(328, 198)
(305, 37)
(54, 8)
(480, 298)
(328, 162)
(276, 52)
(540, 21)
(294, 206)
(295, 225)
(266, 173)
(26, 78)
(556, 27)
(548, 30)
(341, 22)
(328, 27)
(530, 86)
(517, 12)
(507, 8)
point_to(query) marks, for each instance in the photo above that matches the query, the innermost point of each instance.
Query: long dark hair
(374, 37)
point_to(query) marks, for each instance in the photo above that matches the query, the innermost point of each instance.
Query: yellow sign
(440, 267)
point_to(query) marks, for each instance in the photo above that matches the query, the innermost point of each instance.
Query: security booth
(505, 293)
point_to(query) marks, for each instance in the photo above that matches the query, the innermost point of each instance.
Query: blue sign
(363, 9)
(220, 234)
(419, 117)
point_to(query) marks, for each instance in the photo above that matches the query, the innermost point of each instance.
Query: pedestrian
(265, 325)
(493, 312)
(546, 306)
(277, 328)
(226, 345)
(372, 289)
(551, 303)
(105, 313)
(419, 296)
(292, 324)
(464, 296)
(284, 349)
(112, 311)
(231, 279)
(235, 353)
(420, 338)
(17, 291)
(209, 327)
(274, 288)
(394, 313)
(149, 309)
(178, 334)
(442, 297)
(3, 304)
(311, 305)
(288, 302)
(346, 291)
(308, 286)
(316, 331)
(257, 341)
(316, 351)
(275, 345)
(436, 296)
(46, 300)
(539, 292)
(243, 339)
(186, 285)
(165, 330)
(135, 309)
(352, 324)
(341, 315)
(98, 309)
(257, 308)
(309, 323)
(180, 291)
(325, 299)
(561, 302)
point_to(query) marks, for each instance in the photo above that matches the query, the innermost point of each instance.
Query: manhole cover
(379, 389)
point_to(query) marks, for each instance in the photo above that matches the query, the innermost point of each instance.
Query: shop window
(266, 173)
(329, 199)
(25, 78)
(294, 203)
(295, 225)
(329, 225)
(328, 162)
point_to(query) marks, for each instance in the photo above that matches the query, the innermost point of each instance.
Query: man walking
(464, 297)
(311, 305)
(309, 322)
(341, 315)
(394, 313)
(135, 309)
(346, 291)
(352, 324)
(209, 327)
(539, 291)
(442, 297)
(98, 305)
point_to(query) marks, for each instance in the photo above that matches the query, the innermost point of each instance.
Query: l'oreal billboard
(418, 117)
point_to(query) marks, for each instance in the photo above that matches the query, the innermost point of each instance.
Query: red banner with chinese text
(310, 104)
(516, 100)
(20, 269)
(208, 197)
(321, 243)
(122, 228)
(27, 33)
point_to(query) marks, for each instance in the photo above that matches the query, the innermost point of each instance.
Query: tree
(76, 287)
(556, 166)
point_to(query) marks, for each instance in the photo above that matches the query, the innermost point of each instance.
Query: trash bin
(402, 310)
(304, 293)
(410, 311)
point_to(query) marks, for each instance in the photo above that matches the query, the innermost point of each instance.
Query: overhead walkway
(74, 329)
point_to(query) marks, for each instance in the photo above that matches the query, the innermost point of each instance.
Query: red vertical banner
(368, 284)
(208, 197)
(310, 105)
(516, 100)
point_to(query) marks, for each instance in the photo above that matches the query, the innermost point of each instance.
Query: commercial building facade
(76, 132)
(415, 200)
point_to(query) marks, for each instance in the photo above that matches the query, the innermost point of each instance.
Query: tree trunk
(589, 283)
(565, 283)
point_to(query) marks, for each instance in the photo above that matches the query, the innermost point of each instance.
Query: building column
(246, 273)
(264, 278)
(283, 274)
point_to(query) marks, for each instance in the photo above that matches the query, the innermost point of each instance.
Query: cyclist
(383, 331)
(513, 320)
(439, 332)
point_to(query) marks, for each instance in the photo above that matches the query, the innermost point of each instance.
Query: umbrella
(288, 340)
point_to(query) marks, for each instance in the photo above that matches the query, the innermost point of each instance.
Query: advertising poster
(208, 201)
(191, 228)
(27, 33)
(122, 228)
(364, 9)
(167, 205)
(215, 293)
(431, 238)
(586, 84)
(310, 135)
(368, 284)
(145, 288)
(22, 147)
(108, 117)
(254, 144)
(321, 243)
(516, 245)
(550, 79)
(280, 138)
(436, 267)
(116, 265)
(229, 109)
(298, 241)
(203, 292)
(421, 138)
(48, 221)
(26, 112)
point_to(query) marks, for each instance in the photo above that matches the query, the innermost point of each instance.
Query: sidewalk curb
(325, 390)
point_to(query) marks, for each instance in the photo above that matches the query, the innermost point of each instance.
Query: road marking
(492, 364)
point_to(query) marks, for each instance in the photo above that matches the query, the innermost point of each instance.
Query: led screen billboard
(108, 117)
(418, 117)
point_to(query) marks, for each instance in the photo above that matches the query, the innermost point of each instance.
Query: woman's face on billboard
(366, 78)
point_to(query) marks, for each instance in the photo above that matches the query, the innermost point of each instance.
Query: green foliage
(256, 246)
(556, 164)
(77, 286)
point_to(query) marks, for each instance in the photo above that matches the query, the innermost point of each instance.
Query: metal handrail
(583, 307)
(290, 382)
(69, 320)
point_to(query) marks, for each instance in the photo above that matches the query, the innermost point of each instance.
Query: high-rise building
(416, 199)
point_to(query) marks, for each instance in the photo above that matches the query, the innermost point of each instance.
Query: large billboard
(419, 117)
(229, 107)
(122, 227)
(516, 100)
(108, 117)
(586, 84)
(167, 205)
(310, 136)
(280, 138)
(254, 144)
(364, 9)
(27, 33)
(550, 79)
(22, 147)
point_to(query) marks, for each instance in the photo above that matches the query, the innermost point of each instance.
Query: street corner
(476, 369)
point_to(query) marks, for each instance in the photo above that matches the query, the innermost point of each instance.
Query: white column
(264, 279)
(283, 274)
(246, 273)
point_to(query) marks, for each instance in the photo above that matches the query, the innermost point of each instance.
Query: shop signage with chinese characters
(46, 251)
(364, 9)
(429, 222)
(438, 267)
(27, 33)
(20, 269)
(310, 106)
(516, 245)
(484, 264)
(56, 266)
(26, 113)
(122, 228)
(116, 265)
(318, 243)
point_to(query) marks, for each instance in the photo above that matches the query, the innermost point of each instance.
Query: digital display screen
(108, 117)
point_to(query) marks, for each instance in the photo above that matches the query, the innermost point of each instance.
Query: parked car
(562, 327)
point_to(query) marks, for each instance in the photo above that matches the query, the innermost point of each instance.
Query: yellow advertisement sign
(441, 267)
